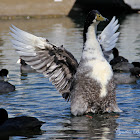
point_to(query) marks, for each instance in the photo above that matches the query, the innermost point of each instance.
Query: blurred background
(42, 8)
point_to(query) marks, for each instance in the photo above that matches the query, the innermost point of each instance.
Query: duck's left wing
(109, 37)
(56, 63)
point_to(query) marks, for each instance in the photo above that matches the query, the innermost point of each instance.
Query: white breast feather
(102, 73)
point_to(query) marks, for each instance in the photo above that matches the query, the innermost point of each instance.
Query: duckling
(25, 68)
(89, 84)
(5, 86)
(21, 123)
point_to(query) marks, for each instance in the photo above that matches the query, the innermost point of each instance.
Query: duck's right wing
(56, 63)
(109, 37)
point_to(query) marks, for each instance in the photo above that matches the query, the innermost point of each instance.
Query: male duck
(89, 84)
(5, 86)
(21, 123)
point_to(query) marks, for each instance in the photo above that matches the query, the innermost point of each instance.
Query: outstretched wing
(56, 63)
(109, 37)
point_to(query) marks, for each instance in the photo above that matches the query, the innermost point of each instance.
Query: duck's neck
(91, 49)
(115, 52)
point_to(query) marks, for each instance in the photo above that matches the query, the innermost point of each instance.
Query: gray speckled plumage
(85, 95)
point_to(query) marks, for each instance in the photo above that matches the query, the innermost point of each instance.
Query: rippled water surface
(36, 96)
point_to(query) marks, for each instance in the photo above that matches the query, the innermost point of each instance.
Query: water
(36, 96)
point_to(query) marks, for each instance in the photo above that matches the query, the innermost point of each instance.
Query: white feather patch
(108, 37)
(27, 38)
(101, 72)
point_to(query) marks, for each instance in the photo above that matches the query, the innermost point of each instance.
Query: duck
(89, 84)
(129, 77)
(119, 63)
(24, 67)
(19, 123)
(117, 58)
(5, 86)
(124, 71)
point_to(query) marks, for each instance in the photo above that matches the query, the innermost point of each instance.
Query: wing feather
(56, 63)
(109, 37)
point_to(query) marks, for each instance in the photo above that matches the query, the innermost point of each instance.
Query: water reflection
(99, 127)
(20, 134)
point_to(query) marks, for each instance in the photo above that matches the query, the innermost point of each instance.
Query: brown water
(35, 95)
